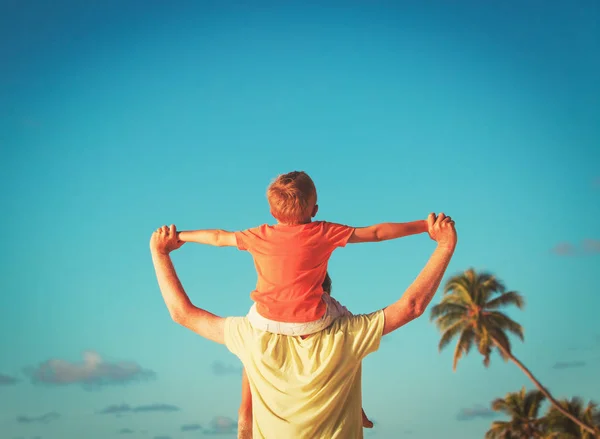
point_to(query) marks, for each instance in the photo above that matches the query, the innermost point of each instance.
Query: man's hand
(417, 297)
(164, 240)
(441, 229)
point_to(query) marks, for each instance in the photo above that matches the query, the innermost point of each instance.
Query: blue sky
(118, 117)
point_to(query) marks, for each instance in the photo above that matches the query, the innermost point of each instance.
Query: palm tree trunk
(546, 393)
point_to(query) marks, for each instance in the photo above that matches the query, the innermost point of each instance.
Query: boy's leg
(245, 412)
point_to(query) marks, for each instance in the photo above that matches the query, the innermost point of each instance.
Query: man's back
(306, 388)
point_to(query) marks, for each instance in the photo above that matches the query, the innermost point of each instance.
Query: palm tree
(523, 408)
(564, 428)
(469, 311)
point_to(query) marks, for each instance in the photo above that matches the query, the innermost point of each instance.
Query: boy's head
(293, 198)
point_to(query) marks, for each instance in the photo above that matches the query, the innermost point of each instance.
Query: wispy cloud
(477, 411)
(568, 364)
(92, 372)
(120, 409)
(162, 437)
(591, 245)
(564, 249)
(6, 380)
(43, 419)
(221, 425)
(586, 345)
(191, 427)
(126, 431)
(220, 368)
(586, 247)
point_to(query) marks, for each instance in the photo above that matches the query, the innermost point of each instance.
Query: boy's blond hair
(292, 197)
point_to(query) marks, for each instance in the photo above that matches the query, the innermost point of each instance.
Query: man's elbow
(416, 309)
(179, 315)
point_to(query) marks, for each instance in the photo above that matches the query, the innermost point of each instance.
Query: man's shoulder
(235, 330)
(354, 324)
(356, 335)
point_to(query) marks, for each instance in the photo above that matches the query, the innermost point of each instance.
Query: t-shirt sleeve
(244, 239)
(365, 333)
(236, 329)
(337, 235)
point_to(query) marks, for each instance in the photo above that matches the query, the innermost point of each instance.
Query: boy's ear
(315, 210)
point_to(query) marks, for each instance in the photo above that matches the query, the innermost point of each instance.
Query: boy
(291, 262)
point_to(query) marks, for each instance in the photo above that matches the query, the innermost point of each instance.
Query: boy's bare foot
(366, 422)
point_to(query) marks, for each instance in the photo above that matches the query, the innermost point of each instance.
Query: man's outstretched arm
(183, 312)
(387, 231)
(215, 237)
(419, 294)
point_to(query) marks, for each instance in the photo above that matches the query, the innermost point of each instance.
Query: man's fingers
(172, 230)
(440, 219)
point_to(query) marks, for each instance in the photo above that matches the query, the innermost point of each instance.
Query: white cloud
(93, 371)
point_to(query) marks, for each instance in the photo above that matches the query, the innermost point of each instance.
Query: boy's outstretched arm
(386, 231)
(216, 237)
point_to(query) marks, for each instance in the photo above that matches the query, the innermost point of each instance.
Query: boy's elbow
(368, 234)
(224, 239)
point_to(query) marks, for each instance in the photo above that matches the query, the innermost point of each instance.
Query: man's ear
(315, 210)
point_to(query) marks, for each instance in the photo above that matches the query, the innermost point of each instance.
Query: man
(305, 387)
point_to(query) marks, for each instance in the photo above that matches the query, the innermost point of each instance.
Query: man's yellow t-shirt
(306, 388)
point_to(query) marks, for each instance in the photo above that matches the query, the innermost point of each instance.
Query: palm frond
(509, 298)
(463, 346)
(487, 286)
(498, 430)
(451, 332)
(504, 323)
(532, 402)
(447, 320)
(587, 414)
(459, 295)
(446, 307)
(462, 281)
(501, 338)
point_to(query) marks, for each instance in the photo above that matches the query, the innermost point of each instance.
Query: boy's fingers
(431, 219)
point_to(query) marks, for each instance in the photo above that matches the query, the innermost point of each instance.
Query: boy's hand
(441, 229)
(164, 240)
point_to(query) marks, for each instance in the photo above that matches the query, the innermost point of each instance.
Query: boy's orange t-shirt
(291, 264)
